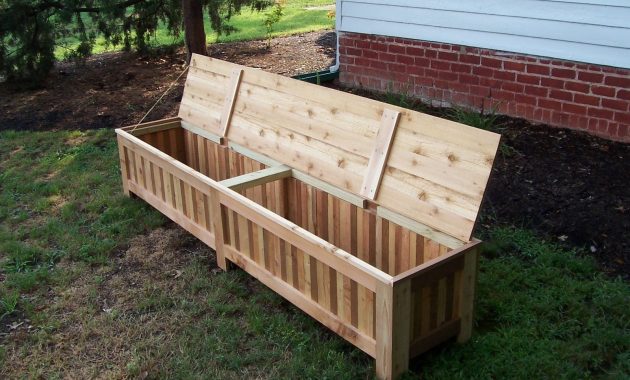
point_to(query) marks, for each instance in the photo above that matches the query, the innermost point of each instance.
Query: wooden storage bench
(358, 212)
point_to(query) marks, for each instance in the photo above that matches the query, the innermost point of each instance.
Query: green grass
(542, 311)
(249, 24)
(60, 198)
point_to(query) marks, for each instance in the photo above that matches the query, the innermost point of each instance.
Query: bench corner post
(217, 223)
(393, 325)
(467, 294)
(124, 165)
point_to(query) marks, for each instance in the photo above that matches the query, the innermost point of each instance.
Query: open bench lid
(431, 170)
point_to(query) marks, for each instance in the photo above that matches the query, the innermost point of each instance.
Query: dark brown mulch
(571, 187)
(116, 89)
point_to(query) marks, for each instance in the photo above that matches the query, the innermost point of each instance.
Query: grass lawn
(249, 25)
(106, 297)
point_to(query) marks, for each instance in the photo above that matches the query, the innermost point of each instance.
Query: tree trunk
(195, 35)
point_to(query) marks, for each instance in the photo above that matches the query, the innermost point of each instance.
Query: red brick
(536, 91)
(623, 94)
(346, 59)
(430, 54)
(505, 75)
(362, 44)
(538, 69)
(525, 99)
(447, 56)
(503, 96)
(405, 59)
(368, 53)
(378, 64)
(469, 58)
(586, 99)
(618, 81)
(353, 51)
(561, 95)
(577, 86)
(397, 68)
(624, 131)
(515, 66)
(615, 104)
(491, 62)
(482, 71)
(416, 52)
(469, 79)
(574, 108)
(590, 77)
(550, 104)
(622, 117)
(528, 79)
(447, 75)
(440, 65)
(479, 90)
(415, 70)
(489, 82)
(420, 61)
(460, 68)
(378, 46)
(603, 91)
(552, 83)
(512, 87)
(563, 73)
(600, 113)
(396, 49)
(387, 57)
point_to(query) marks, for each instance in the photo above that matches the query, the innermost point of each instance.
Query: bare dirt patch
(116, 89)
(110, 318)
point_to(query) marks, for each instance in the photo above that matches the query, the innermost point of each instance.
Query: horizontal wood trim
(312, 308)
(257, 178)
(253, 155)
(330, 189)
(430, 265)
(419, 228)
(433, 338)
(202, 132)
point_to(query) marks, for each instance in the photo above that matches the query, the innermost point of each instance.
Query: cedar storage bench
(358, 212)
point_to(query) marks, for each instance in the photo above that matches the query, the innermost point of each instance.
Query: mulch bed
(569, 186)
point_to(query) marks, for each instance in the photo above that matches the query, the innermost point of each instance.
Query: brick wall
(560, 93)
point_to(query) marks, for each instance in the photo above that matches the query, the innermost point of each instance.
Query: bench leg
(393, 312)
(218, 222)
(467, 298)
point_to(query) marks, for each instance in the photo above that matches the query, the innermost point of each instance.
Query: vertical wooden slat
(467, 289)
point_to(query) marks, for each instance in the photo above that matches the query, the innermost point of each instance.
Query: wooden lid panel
(436, 171)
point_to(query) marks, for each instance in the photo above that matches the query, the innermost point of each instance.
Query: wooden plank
(453, 255)
(376, 165)
(345, 330)
(230, 100)
(331, 189)
(419, 228)
(467, 289)
(433, 338)
(218, 225)
(202, 132)
(124, 165)
(257, 178)
(393, 325)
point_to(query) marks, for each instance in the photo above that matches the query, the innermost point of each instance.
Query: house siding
(579, 79)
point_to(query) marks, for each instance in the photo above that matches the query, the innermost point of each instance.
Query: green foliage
(272, 18)
(8, 303)
(481, 119)
(30, 30)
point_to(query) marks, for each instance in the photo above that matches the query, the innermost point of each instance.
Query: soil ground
(571, 187)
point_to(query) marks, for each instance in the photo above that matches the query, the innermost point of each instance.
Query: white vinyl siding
(579, 30)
